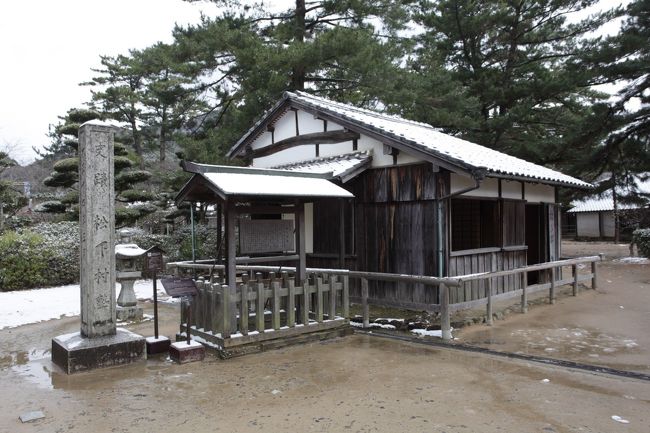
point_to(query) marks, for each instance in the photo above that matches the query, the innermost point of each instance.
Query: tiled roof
(341, 166)
(427, 138)
(248, 181)
(605, 202)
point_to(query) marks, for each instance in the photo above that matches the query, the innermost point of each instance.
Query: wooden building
(425, 203)
(593, 216)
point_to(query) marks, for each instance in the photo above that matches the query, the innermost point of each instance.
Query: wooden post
(594, 275)
(219, 231)
(524, 294)
(574, 273)
(225, 311)
(364, 303)
(243, 310)
(488, 283)
(275, 313)
(551, 292)
(301, 269)
(305, 302)
(259, 308)
(231, 266)
(332, 298)
(319, 299)
(184, 313)
(346, 297)
(342, 233)
(445, 324)
(291, 303)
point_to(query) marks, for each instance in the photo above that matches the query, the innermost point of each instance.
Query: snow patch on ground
(372, 325)
(634, 260)
(428, 333)
(31, 306)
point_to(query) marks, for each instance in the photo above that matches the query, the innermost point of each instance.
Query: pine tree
(512, 60)
(345, 50)
(137, 202)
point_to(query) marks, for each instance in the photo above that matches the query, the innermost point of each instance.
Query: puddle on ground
(574, 341)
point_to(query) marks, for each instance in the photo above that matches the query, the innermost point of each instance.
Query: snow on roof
(343, 166)
(428, 138)
(274, 185)
(605, 202)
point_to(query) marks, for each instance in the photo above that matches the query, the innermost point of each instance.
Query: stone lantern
(126, 256)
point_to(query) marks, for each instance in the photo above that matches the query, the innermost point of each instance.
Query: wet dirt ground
(359, 383)
(607, 326)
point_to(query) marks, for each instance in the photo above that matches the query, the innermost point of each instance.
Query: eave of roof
(225, 181)
(455, 158)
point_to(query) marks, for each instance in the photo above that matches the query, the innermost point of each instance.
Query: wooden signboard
(178, 287)
(266, 236)
(153, 259)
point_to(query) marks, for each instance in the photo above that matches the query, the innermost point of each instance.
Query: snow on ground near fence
(31, 306)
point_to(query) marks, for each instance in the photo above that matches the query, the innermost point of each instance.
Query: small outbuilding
(593, 217)
(424, 202)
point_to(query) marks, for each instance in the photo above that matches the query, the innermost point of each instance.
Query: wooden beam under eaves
(326, 137)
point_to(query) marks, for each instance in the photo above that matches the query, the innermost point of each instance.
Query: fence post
(364, 303)
(291, 303)
(346, 297)
(551, 291)
(225, 311)
(275, 314)
(243, 311)
(524, 294)
(259, 308)
(332, 298)
(305, 302)
(574, 272)
(594, 274)
(319, 299)
(445, 324)
(488, 284)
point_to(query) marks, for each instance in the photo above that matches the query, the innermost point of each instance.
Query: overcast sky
(47, 47)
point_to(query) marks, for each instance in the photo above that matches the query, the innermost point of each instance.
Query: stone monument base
(74, 353)
(182, 353)
(129, 313)
(157, 345)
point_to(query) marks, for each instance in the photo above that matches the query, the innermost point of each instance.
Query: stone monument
(99, 343)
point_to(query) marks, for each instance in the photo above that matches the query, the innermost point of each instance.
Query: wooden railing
(266, 307)
(320, 283)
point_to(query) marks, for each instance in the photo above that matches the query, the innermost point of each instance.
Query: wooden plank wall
(395, 223)
(482, 262)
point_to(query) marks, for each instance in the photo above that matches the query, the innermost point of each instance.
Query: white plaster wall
(511, 189)
(285, 126)
(608, 223)
(336, 148)
(538, 193)
(309, 226)
(378, 157)
(294, 154)
(307, 124)
(587, 224)
(489, 187)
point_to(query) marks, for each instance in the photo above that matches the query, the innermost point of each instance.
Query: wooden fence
(222, 326)
(266, 307)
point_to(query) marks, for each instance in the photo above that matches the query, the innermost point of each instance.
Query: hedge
(641, 238)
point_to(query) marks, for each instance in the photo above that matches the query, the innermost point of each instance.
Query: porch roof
(217, 181)
(343, 167)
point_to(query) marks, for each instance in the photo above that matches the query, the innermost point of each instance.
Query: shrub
(61, 242)
(23, 264)
(641, 238)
